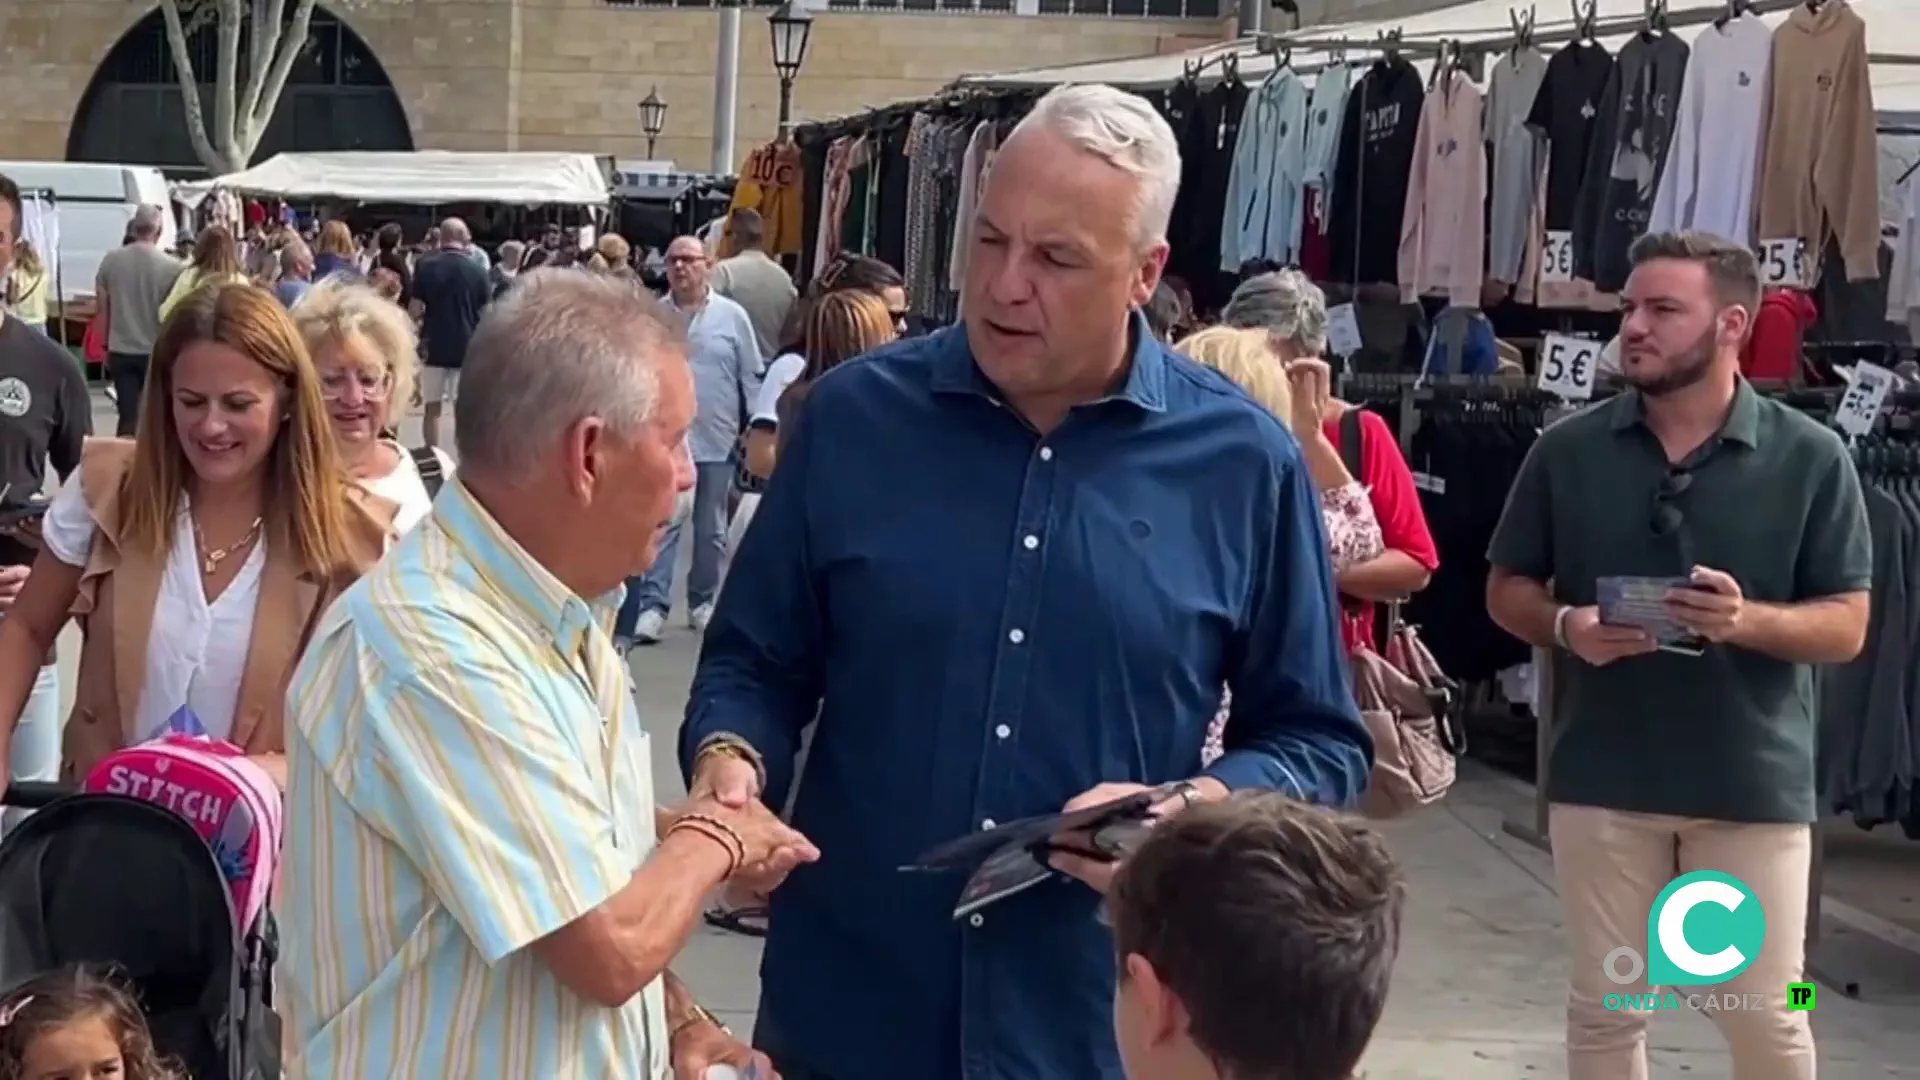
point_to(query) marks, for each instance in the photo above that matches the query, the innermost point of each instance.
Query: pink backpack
(232, 801)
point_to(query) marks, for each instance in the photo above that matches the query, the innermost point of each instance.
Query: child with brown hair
(75, 1024)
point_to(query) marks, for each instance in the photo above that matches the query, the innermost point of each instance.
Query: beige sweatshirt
(1443, 232)
(1819, 169)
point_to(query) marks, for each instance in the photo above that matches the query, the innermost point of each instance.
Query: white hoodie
(1712, 170)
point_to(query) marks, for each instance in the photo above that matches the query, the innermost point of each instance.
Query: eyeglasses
(1667, 516)
(373, 387)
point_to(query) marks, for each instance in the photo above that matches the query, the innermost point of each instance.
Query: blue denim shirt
(989, 622)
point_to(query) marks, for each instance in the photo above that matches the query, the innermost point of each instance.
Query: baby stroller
(114, 881)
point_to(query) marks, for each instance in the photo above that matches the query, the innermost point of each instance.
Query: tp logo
(1705, 928)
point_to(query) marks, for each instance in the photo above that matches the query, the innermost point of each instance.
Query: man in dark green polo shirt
(1665, 762)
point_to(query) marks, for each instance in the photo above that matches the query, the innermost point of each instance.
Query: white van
(94, 203)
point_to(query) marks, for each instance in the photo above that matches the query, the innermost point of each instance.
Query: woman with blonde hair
(1296, 395)
(335, 252)
(366, 355)
(216, 261)
(27, 285)
(198, 555)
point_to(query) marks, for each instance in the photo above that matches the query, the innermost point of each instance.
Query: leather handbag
(1413, 711)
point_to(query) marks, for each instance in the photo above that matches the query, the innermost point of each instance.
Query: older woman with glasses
(364, 350)
(1293, 312)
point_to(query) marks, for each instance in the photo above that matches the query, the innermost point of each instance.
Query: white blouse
(405, 489)
(196, 651)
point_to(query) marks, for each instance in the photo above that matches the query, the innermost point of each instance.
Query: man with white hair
(477, 882)
(1003, 569)
(451, 289)
(296, 273)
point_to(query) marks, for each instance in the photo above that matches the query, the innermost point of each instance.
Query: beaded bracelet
(718, 831)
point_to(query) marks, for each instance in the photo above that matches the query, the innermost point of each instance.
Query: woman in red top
(1293, 311)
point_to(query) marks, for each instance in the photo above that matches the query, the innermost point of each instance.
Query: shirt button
(1030, 542)
(1016, 635)
(976, 920)
(1002, 731)
(1046, 453)
(986, 823)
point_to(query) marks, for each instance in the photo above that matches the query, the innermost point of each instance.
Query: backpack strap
(1352, 440)
(431, 472)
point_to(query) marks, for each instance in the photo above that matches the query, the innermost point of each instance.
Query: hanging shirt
(1518, 151)
(1635, 128)
(1708, 183)
(1819, 178)
(1445, 214)
(1262, 216)
(1903, 283)
(1326, 114)
(1565, 110)
(1370, 182)
(771, 184)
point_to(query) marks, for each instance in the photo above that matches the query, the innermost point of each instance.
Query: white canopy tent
(420, 178)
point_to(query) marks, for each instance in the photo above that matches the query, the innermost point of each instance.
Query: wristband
(1560, 627)
(732, 746)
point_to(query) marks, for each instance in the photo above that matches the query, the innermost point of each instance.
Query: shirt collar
(530, 587)
(705, 301)
(955, 372)
(1742, 426)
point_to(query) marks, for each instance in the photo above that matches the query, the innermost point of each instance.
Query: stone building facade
(568, 74)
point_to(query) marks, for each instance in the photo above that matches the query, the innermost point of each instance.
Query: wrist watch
(1560, 626)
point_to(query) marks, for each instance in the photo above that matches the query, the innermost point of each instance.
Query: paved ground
(1479, 990)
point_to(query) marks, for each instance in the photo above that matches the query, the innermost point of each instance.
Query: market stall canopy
(1893, 34)
(420, 178)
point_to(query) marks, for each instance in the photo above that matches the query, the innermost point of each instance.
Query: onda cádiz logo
(1704, 929)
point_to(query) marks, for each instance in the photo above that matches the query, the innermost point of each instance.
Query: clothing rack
(1819, 401)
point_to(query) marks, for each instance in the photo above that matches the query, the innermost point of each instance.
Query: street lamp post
(791, 26)
(653, 117)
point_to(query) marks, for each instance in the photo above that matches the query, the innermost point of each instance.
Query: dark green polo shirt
(1774, 501)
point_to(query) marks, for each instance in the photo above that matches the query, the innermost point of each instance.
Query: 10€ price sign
(1783, 263)
(1568, 366)
(1556, 256)
(1860, 405)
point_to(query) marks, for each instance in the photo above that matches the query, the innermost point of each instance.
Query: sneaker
(113, 395)
(649, 626)
(699, 617)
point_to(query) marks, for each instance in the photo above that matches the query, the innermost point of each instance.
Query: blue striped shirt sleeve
(483, 788)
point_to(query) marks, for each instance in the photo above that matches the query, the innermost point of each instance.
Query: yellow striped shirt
(468, 773)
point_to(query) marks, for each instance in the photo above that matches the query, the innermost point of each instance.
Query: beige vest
(118, 591)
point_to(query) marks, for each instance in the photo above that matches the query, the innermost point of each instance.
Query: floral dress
(1353, 536)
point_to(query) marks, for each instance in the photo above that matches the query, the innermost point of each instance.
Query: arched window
(337, 97)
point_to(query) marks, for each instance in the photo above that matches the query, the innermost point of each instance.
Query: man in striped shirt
(473, 887)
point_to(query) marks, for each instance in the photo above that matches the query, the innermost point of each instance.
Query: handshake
(724, 807)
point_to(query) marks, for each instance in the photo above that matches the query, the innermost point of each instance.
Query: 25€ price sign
(1556, 256)
(1783, 263)
(1860, 405)
(1568, 366)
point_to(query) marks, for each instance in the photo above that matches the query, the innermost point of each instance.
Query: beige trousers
(1611, 866)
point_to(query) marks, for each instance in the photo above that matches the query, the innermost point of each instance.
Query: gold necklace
(212, 557)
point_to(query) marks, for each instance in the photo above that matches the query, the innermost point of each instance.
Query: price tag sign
(1783, 264)
(1556, 256)
(1568, 366)
(1860, 405)
(1343, 330)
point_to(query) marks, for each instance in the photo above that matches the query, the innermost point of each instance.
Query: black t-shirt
(452, 288)
(45, 413)
(1564, 109)
(1377, 139)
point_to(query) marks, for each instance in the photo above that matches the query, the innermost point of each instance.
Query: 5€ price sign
(1783, 263)
(1568, 366)
(1556, 256)
(1860, 405)
(1343, 330)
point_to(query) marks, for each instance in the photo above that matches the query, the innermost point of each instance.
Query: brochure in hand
(1641, 602)
(1012, 857)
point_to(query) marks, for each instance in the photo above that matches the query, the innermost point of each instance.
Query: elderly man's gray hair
(1285, 304)
(148, 221)
(1124, 131)
(559, 347)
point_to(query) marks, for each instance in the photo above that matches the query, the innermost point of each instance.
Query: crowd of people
(1103, 562)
